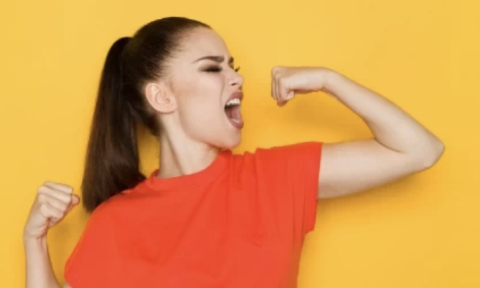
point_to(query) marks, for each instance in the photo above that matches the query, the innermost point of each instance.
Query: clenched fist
(288, 81)
(52, 203)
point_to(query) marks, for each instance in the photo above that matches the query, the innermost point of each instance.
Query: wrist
(330, 79)
(31, 241)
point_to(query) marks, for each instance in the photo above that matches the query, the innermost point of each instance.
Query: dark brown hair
(112, 162)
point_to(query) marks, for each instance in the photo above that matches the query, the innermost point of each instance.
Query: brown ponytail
(112, 161)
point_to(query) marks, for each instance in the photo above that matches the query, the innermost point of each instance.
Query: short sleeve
(293, 175)
(93, 261)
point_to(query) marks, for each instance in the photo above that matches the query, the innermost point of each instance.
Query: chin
(232, 141)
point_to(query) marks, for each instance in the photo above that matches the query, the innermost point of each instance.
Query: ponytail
(112, 162)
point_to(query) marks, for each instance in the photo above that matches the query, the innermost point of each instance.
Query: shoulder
(123, 200)
(113, 206)
(125, 210)
(278, 161)
(101, 216)
(282, 152)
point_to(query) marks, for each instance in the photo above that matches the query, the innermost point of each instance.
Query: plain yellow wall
(423, 231)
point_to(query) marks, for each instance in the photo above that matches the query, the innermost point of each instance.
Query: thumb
(75, 200)
(290, 95)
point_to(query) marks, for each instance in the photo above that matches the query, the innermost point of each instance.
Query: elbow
(431, 155)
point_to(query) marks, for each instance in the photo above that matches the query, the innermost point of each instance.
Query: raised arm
(401, 146)
(52, 203)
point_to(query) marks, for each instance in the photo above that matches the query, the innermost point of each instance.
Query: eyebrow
(218, 59)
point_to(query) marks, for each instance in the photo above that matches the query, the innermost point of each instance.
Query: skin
(190, 140)
(401, 146)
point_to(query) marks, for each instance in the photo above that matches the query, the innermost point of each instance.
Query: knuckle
(67, 199)
(65, 188)
(41, 198)
(275, 70)
(41, 189)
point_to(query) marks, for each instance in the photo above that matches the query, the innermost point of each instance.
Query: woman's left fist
(288, 81)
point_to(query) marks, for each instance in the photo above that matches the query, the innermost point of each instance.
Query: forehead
(203, 42)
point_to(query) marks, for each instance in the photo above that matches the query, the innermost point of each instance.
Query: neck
(182, 156)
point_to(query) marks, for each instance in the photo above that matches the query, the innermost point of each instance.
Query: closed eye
(213, 69)
(216, 69)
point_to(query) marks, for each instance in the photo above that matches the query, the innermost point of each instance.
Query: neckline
(206, 175)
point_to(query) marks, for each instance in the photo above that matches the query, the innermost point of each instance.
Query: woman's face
(207, 90)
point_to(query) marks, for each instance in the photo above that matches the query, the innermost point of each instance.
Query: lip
(235, 95)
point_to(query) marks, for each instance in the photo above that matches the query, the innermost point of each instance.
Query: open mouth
(234, 113)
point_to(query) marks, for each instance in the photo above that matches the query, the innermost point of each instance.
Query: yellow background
(424, 55)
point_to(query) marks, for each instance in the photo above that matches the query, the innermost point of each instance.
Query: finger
(71, 206)
(75, 200)
(273, 88)
(278, 86)
(54, 202)
(58, 186)
(62, 196)
(272, 76)
(272, 92)
(282, 93)
(50, 212)
(277, 80)
(288, 96)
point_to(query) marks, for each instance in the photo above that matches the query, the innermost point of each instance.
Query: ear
(160, 97)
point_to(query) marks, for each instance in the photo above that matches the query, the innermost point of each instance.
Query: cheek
(200, 101)
(204, 91)
(203, 87)
(211, 85)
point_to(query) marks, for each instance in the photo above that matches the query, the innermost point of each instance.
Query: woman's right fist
(52, 203)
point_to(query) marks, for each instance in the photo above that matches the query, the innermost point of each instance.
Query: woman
(207, 217)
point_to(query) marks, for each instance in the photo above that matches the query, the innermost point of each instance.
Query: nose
(236, 80)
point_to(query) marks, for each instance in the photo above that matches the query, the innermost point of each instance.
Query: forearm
(391, 126)
(39, 272)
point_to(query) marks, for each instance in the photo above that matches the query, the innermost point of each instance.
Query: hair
(112, 162)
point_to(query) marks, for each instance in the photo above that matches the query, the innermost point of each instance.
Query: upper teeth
(234, 101)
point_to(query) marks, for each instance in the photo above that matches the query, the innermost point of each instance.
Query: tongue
(234, 113)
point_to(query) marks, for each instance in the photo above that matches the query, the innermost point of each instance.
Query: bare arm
(38, 266)
(53, 201)
(39, 269)
(401, 146)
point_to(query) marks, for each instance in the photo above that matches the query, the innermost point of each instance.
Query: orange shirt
(240, 223)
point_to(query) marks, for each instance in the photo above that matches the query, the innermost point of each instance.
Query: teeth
(232, 102)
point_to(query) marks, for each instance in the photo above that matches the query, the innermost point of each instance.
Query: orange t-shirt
(240, 223)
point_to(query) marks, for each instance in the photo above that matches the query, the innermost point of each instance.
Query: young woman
(208, 217)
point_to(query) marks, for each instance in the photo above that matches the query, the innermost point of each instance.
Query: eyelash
(216, 69)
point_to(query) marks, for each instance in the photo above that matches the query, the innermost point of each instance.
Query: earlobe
(160, 98)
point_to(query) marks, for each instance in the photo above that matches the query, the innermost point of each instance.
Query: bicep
(350, 167)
